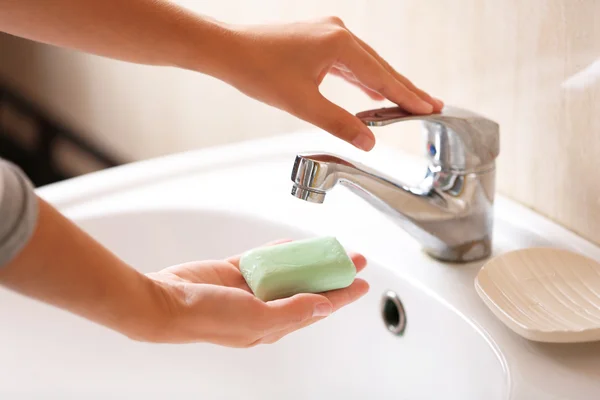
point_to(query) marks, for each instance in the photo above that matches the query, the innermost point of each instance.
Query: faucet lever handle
(384, 116)
(457, 139)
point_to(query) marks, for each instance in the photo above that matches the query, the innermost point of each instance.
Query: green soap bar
(305, 266)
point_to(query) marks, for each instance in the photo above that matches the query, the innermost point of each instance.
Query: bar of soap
(312, 265)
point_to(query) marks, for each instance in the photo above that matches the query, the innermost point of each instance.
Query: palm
(226, 273)
(216, 293)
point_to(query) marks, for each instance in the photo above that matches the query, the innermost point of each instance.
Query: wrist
(208, 46)
(143, 314)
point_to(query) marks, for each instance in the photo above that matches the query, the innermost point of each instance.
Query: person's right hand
(279, 64)
(283, 65)
(209, 301)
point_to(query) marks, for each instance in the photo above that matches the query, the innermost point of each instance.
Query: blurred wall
(533, 66)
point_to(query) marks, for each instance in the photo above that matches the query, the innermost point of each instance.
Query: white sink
(349, 355)
(219, 202)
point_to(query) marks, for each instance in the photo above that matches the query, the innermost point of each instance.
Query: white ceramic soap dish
(544, 294)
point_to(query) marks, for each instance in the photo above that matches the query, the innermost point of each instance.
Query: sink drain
(392, 312)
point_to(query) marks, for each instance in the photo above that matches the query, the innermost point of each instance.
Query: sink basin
(352, 354)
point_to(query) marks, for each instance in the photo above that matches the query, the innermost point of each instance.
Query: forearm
(63, 266)
(154, 32)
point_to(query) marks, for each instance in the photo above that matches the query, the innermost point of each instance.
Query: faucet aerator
(305, 194)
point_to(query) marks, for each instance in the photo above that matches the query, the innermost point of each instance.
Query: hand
(209, 301)
(283, 65)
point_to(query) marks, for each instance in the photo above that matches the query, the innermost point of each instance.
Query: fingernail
(322, 310)
(364, 141)
(439, 103)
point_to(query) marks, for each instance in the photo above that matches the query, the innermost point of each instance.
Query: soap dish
(544, 294)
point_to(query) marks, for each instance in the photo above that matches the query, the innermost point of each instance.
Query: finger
(342, 297)
(235, 260)
(421, 93)
(436, 103)
(330, 117)
(372, 74)
(360, 262)
(294, 310)
(373, 95)
(349, 77)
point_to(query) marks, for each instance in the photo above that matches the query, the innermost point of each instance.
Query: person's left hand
(209, 301)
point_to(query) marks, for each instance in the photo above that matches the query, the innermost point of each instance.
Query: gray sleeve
(18, 211)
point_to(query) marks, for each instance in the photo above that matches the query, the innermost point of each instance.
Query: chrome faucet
(451, 211)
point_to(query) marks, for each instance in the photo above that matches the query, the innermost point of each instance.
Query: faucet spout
(450, 212)
(449, 216)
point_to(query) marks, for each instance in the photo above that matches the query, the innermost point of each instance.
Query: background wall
(533, 66)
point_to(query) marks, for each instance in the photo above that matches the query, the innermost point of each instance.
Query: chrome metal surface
(392, 312)
(308, 195)
(451, 211)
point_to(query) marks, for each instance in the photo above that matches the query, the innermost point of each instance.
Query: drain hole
(392, 313)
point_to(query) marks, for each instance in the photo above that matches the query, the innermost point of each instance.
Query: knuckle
(347, 134)
(339, 129)
(342, 35)
(334, 19)
(338, 36)
(382, 89)
(387, 65)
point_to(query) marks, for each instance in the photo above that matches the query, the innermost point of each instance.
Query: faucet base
(464, 253)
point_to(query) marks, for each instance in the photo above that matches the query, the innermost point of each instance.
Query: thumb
(299, 308)
(339, 122)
